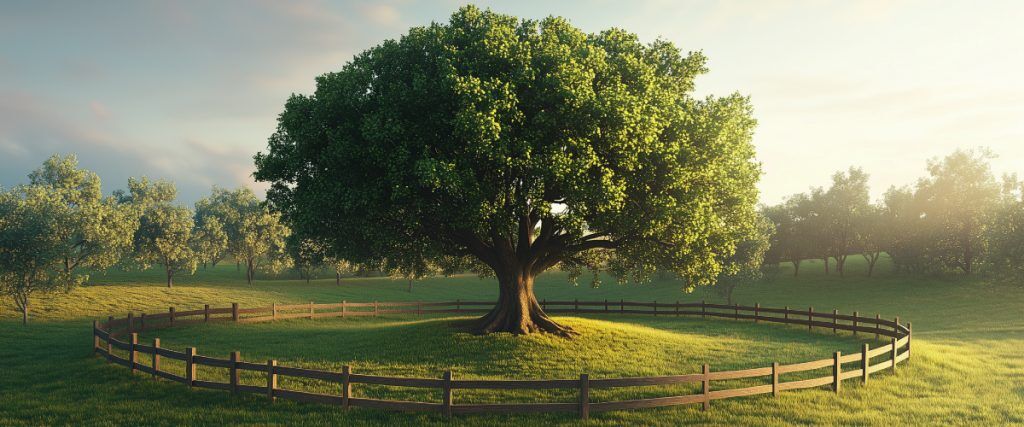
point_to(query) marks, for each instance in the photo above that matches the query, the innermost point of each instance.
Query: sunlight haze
(191, 91)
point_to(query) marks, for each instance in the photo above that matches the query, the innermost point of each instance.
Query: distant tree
(872, 234)
(229, 207)
(165, 237)
(210, 241)
(1006, 232)
(906, 232)
(744, 267)
(263, 244)
(307, 256)
(840, 210)
(96, 232)
(787, 243)
(959, 198)
(256, 236)
(32, 245)
(522, 144)
(341, 267)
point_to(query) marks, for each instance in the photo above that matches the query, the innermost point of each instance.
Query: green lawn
(966, 369)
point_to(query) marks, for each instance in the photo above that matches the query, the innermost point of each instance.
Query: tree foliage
(521, 144)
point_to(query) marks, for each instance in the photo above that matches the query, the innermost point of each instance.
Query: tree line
(957, 218)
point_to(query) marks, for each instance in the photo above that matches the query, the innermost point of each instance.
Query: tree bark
(337, 278)
(826, 265)
(796, 268)
(170, 278)
(517, 311)
(24, 311)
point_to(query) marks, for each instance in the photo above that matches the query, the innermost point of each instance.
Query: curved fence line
(105, 342)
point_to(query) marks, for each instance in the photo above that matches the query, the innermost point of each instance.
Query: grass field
(967, 366)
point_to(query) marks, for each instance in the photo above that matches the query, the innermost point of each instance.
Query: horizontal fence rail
(849, 366)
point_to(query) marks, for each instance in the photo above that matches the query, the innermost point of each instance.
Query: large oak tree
(520, 144)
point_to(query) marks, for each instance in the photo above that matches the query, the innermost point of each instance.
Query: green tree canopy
(96, 232)
(522, 144)
(31, 244)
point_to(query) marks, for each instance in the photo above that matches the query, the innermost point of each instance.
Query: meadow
(966, 367)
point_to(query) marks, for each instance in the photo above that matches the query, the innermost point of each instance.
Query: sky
(190, 91)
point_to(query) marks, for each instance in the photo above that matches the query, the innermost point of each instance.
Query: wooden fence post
(584, 396)
(271, 378)
(346, 386)
(736, 311)
(458, 306)
(706, 388)
(544, 304)
(234, 311)
(703, 310)
(156, 357)
(864, 363)
(786, 314)
(677, 308)
(190, 366)
(855, 323)
(878, 324)
(655, 305)
(95, 336)
(894, 355)
(206, 312)
(110, 334)
(910, 333)
(142, 321)
(236, 356)
(622, 306)
(419, 308)
(575, 305)
(273, 311)
(133, 354)
(757, 311)
(837, 372)
(447, 393)
(810, 318)
(835, 321)
(775, 379)
(344, 306)
(131, 322)
(311, 309)
(606, 305)
(375, 309)
(170, 315)
(896, 325)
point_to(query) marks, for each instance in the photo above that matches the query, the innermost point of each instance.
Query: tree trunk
(840, 265)
(170, 278)
(517, 311)
(410, 286)
(826, 265)
(796, 268)
(337, 278)
(24, 312)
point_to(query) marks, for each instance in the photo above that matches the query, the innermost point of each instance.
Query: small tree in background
(32, 245)
(165, 238)
(840, 210)
(745, 266)
(210, 241)
(959, 199)
(307, 256)
(1006, 231)
(96, 232)
(263, 244)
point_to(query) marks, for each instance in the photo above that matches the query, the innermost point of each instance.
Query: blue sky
(189, 91)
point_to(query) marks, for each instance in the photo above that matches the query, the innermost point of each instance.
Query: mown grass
(966, 369)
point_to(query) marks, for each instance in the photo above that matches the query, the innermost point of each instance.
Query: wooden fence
(898, 336)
